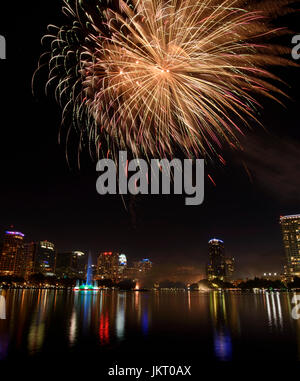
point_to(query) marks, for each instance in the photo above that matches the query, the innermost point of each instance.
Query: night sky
(45, 199)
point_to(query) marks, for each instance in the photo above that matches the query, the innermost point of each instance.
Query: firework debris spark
(158, 76)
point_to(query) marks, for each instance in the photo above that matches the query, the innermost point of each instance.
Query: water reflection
(222, 337)
(73, 328)
(2, 307)
(120, 316)
(274, 311)
(104, 328)
(42, 320)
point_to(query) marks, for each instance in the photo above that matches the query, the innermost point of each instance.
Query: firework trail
(158, 76)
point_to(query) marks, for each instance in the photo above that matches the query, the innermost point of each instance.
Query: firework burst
(155, 76)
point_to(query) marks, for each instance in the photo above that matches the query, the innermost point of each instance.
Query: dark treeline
(40, 280)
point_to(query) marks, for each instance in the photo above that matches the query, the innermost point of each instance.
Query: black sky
(45, 199)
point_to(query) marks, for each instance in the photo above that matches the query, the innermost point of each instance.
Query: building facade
(12, 258)
(108, 265)
(219, 266)
(143, 266)
(229, 268)
(216, 268)
(44, 258)
(290, 228)
(71, 264)
(29, 255)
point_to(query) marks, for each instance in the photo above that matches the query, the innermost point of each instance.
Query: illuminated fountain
(88, 285)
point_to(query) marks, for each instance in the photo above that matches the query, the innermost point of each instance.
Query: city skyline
(226, 261)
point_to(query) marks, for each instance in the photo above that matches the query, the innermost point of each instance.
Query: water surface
(214, 326)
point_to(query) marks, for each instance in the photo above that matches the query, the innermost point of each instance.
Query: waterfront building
(82, 260)
(108, 265)
(216, 268)
(143, 266)
(229, 268)
(44, 258)
(12, 258)
(29, 253)
(69, 264)
(290, 228)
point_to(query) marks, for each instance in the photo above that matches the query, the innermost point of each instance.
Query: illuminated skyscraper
(82, 260)
(229, 268)
(69, 264)
(144, 265)
(122, 260)
(29, 253)
(108, 265)
(290, 226)
(44, 258)
(11, 258)
(216, 268)
(122, 266)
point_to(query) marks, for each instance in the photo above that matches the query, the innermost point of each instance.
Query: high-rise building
(108, 265)
(82, 260)
(29, 254)
(44, 258)
(216, 268)
(11, 258)
(122, 266)
(69, 264)
(122, 260)
(144, 265)
(290, 227)
(229, 268)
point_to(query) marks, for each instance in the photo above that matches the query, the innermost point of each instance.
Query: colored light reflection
(104, 329)
(223, 345)
(145, 322)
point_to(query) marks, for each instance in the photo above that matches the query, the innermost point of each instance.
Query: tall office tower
(82, 260)
(44, 258)
(216, 268)
(108, 265)
(229, 268)
(290, 227)
(122, 266)
(143, 266)
(68, 264)
(122, 260)
(29, 253)
(11, 257)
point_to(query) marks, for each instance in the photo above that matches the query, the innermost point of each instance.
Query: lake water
(162, 326)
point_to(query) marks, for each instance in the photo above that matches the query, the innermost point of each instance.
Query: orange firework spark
(155, 76)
